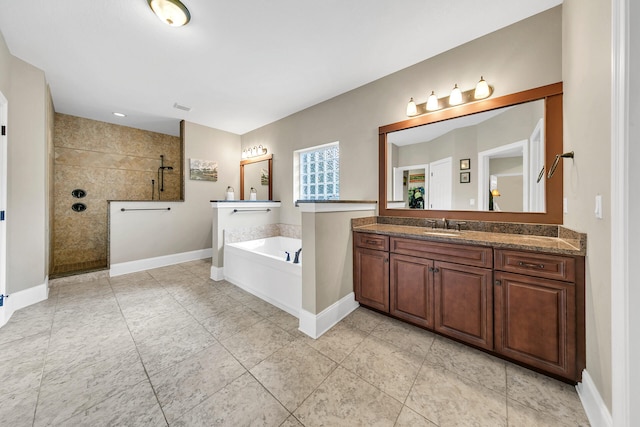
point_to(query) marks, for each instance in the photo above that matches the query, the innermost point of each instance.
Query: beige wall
(109, 162)
(187, 226)
(518, 57)
(25, 88)
(587, 127)
(327, 269)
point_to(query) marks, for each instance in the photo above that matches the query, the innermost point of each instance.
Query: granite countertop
(557, 245)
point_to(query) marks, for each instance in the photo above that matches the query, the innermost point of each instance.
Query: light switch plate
(598, 210)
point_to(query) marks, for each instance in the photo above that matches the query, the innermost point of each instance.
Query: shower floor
(78, 268)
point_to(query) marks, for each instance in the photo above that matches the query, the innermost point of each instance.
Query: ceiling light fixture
(457, 97)
(115, 113)
(171, 12)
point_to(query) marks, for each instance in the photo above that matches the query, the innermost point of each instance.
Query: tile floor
(172, 347)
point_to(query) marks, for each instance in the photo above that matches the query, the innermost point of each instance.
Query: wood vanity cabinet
(371, 270)
(539, 310)
(525, 306)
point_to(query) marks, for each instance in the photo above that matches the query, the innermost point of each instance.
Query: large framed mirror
(256, 173)
(485, 161)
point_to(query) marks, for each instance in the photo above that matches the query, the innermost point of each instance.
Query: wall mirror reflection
(256, 178)
(507, 148)
(480, 161)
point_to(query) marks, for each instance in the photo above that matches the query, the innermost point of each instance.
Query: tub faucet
(296, 259)
(288, 255)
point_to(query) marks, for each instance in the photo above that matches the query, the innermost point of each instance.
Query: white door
(537, 169)
(440, 184)
(3, 205)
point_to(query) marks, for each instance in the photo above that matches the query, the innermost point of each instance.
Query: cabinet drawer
(535, 264)
(372, 241)
(477, 256)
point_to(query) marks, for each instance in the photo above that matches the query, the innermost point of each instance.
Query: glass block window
(319, 173)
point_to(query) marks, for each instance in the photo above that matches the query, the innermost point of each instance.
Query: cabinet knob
(436, 270)
(498, 283)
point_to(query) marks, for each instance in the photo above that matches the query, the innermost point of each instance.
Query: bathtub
(260, 267)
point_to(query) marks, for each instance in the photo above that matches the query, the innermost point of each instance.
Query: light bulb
(482, 89)
(432, 102)
(412, 110)
(456, 96)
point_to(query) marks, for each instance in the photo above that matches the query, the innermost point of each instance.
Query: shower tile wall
(109, 162)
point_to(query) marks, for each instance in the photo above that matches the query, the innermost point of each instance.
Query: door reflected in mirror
(255, 173)
(506, 152)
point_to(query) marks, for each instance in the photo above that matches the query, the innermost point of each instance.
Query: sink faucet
(296, 259)
(445, 224)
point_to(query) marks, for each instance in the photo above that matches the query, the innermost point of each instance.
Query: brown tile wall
(109, 162)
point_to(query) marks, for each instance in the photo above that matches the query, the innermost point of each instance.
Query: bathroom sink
(443, 233)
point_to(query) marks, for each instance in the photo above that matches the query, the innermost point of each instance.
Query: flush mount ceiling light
(115, 113)
(457, 97)
(171, 12)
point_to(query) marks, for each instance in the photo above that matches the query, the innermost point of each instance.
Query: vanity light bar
(249, 152)
(457, 97)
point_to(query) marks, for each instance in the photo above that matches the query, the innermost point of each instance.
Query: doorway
(3, 206)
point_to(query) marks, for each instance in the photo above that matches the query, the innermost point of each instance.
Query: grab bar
(146, 209)
(251, 210)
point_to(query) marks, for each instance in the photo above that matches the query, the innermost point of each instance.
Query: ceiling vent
(181, 107)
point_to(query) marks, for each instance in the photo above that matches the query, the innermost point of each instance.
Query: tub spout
(296, 259)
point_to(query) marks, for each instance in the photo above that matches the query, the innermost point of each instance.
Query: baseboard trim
(22, 299)
(594, 406)
(315, 325)
(217, 273)
(161, 261)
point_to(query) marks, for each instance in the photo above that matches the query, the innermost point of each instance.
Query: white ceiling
(239, 64)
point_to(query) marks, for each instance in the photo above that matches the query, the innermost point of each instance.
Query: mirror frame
(257, 159)
(551, 94)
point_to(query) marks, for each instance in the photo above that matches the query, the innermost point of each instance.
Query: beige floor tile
(17, 408)
(286, 321)
(207, 308)
(523, 416)
(135, 406)
(469, 363)
(291, 422)
(184, 385)
(545, 394)
(244, 402)
(338, 342)
(408, 337)
(66, 392)
(231, 321)
(346, 400)
(253, 345)
(293, 372)
(364, 319)
(385, 366)
(447, 399)
(409, 418)
(171, 349)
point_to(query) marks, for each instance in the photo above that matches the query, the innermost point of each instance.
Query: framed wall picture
(465, 164)
(465, 177)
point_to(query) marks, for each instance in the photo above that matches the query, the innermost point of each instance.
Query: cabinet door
(535, 322)
(411, 295)
(372, 278)
(464, 303)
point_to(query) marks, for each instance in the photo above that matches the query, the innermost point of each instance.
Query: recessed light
(119, 114)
